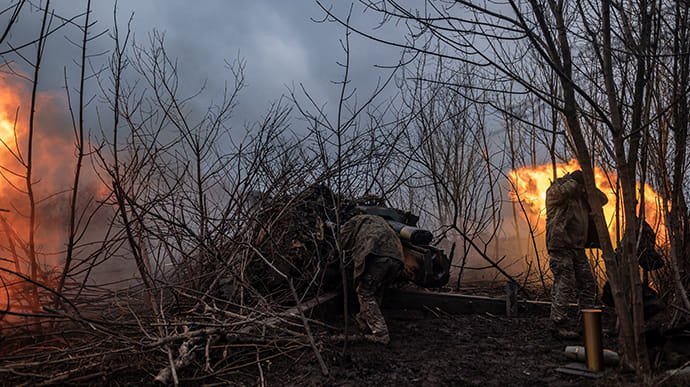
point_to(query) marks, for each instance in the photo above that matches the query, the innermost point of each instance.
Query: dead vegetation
(196, 250)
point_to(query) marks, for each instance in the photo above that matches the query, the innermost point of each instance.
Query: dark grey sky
(280, 43)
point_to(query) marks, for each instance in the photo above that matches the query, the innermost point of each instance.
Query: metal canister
(594, 353)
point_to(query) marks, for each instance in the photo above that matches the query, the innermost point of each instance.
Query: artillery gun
(425, 265)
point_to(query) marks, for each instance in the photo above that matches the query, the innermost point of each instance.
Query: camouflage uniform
(376, 252)
(567, 222)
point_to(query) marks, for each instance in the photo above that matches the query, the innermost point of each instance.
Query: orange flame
(9, 102)
(530, 185)
(53, 165)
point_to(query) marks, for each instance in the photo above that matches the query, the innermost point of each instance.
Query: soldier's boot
(564, 334)
(379, 331)
(361, 323)
(561, 331)
(370, 314)
(378, 338)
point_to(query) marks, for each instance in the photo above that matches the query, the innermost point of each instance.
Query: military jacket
(365, 235)
(567, 214)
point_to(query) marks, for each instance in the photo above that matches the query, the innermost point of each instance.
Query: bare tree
(670, 139)
(604, 57)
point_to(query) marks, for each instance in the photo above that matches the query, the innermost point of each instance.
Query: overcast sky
(279, 41)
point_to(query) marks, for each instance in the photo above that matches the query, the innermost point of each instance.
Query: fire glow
(10, 129)
(10, 101)
(530, 185)
(53, 165)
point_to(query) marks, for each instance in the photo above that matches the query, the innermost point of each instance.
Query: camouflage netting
(240, 295)
(294, 238)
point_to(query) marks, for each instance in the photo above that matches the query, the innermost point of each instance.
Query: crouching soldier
(377, 255)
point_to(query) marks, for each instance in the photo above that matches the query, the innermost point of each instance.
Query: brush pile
(222, 314)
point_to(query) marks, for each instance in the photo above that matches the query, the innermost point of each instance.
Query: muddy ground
(429, 347)
(433, 348)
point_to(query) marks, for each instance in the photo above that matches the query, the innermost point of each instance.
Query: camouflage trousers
(379, 273)
(573, 282)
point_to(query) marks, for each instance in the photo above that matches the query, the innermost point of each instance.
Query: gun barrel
(415, 235)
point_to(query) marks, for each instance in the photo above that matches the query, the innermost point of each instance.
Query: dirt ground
(436, 349)
(429, 347)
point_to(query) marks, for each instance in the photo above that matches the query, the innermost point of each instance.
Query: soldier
(567, 223)
(376, 251)
(649, 259)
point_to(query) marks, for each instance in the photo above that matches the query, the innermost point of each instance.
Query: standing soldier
(377, 253)
(567, 222)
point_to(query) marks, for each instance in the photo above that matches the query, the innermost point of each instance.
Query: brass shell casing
(594, 352)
